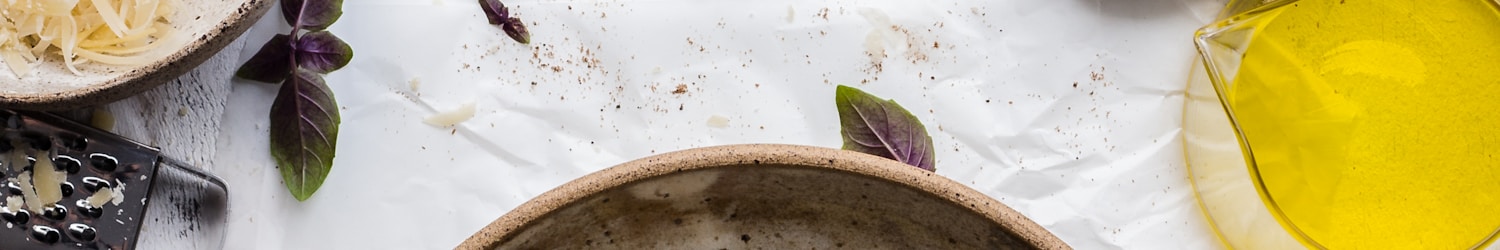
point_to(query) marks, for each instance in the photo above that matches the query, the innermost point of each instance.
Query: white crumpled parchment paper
(1068, 111)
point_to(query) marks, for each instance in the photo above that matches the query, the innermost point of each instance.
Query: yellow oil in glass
(1375, 124)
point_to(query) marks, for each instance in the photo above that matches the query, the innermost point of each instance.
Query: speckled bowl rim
(151, 75)
(763, 154)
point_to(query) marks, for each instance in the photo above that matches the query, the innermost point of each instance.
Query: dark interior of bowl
(763, 207)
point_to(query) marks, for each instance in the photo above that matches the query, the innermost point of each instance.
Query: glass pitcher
(1348, 124)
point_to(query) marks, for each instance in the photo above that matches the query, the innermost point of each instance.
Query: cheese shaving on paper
(116, 32)
(717, 121)
(452, 117)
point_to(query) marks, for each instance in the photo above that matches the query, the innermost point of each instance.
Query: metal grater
(137, 178)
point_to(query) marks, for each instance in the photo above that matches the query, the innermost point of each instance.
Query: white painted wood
(182, 116)
(182, 119)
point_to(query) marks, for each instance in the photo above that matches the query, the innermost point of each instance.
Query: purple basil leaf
(322, 52)
(315, 15)
(517, 30)
(495, 11)
(271, 64)
(882, 128)
(304, 132)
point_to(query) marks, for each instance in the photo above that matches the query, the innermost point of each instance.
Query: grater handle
(189, 209)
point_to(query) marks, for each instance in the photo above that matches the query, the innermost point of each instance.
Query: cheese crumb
(117, 194)
(13, 203)
(29, 193)
(452, 117)
(103, 120)
(47, 180)
(791, 14)
(717, 121)
(100, 197)
(875, 46)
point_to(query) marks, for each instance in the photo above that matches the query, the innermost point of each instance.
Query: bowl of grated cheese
(66, 54)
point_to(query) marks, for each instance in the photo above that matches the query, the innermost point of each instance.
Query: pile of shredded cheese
(105, 31)
(42, 185)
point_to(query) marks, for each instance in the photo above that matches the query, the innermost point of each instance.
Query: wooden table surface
(182, 118)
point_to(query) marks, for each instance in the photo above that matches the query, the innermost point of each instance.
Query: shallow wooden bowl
(763, 197)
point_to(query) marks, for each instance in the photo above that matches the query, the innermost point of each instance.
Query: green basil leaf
(313, 15)
(881, 127)
(304, 132)
(322, 52)
(271, 64)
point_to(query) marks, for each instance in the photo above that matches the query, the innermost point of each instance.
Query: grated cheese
(113, 32)
(101, 196)
(28, 193)
(14, 203)
(117, 194)
(47, 181)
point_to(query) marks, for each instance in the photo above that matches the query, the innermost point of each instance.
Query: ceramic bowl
(208, 25)
(763, 196)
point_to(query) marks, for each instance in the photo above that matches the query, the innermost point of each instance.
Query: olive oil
(1375, 124)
